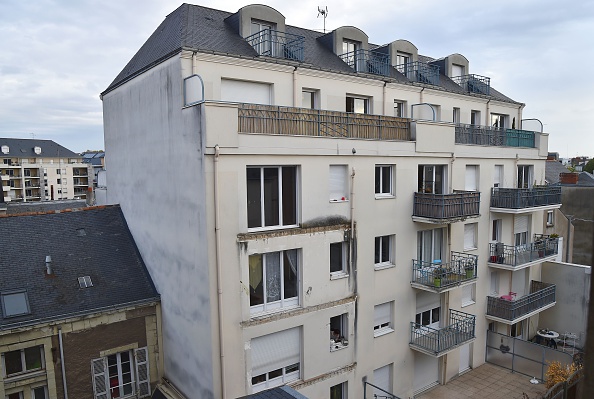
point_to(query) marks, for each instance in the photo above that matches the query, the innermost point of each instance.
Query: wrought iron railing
(420, 72)
(517, 255)
(368, 61)
(460, 329)
(494, 136)
(293, 121)
(474, 83)
(541, 294)
(459, 205)
(277, 44)
(520, 198)
(441, 276)
(383, 394)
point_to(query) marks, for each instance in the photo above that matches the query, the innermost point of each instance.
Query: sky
(56, 57)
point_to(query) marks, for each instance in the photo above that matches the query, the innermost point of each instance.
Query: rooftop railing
(269, 119)
(541, 294)
(461, 328)
(494, 136)
(517, 255)
(474, 83)
(520, 198)
(443, 276)
(277, 44)
(447, 207)
(368, 61)
(420, 72)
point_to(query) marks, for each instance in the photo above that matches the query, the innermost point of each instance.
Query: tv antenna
(324, 13)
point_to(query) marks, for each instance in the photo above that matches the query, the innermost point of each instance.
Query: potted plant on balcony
(438, 276)
(469, 269)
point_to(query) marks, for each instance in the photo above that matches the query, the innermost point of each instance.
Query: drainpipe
(421, 95)
(384, 99)
(450, 188)
(353, 252)
(295, 99)
(194, 63)
(488, 116)
(62, 362)
(516, 168)
(218, 266)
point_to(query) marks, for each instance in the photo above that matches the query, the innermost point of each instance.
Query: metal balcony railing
(521, 198)
(420, 72)
(542, 247)
(368, 62)
(460, 329)
(442, 276)
(293, 121)
(494, 136)
(541, 294)
(474, 83)
(277, 44)
(447, 207)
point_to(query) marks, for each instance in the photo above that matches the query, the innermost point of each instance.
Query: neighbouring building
(41, 170)
(79, 313)
(337, 214)
(97, 160)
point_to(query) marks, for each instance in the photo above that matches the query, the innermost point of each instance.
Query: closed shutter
(337, 183)
(274, 351)
(469, 235)
(457, 70)
(99, 373)
(381, 379)
(521, 224)
(142, 372)
(466, 293)
(382, 314)
(471, 178)
(245, 92)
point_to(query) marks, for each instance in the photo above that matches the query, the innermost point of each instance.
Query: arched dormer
(453, 65)
(256, 17)
(403, 52)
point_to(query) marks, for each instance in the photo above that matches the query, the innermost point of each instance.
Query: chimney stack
(568, 178)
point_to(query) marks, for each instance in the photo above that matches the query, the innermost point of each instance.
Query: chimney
(48, 265)
(568, 178)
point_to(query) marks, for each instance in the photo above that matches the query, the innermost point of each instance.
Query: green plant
(554, 235)
(589, 166)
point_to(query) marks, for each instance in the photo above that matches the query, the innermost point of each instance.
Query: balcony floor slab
(523, 265)
(525, 210)
(524, 317)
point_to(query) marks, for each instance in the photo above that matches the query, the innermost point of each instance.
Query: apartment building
(342, 217)
(41, 170)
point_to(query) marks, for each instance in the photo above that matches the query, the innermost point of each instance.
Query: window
(430, 245)
(498, 176)
(23, 361)
(517, 329)
(339, 255)
(472, 177)
(383, 180)
(39, 393)
(383, 251)
(382, 319)
(521, 224)
(550, 218)
(402, 59)
(429, 318)
(382, 378)
(339, 391)
(273, 280)
(357, 105)
(272, 196)
(400, 109)
(85, 282)
(121, 375)
(431, 179)
(14, 303)
(339, 332)
(15, 395)
(350, 48)
(496, 230)
(58, 171)
(264, 45)
(338, 183)
(276, 359)
(59, 181)
(494, 283)
(5, 149)
(468, 295)
(456, 115)
(499, 120)
(524, 176)
(475, 117)
(308, 99)
(457, 70)
(470, 230)
(27, 172)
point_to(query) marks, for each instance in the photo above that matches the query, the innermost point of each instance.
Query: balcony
(277, 44)
(541, 297)
(438, 342)
(494, 136)
(520, 200)
(420, 72)
(291, 121)
(368, 62)
(441, 277)
(4, 177)
(518, 257)
(446, 208)
(474, 83)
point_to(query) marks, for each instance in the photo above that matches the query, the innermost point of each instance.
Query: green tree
(589, 166)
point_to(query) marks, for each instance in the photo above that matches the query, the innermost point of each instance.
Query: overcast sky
(57, 56)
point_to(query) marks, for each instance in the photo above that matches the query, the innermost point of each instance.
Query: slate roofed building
(323, 211)
(79, 314)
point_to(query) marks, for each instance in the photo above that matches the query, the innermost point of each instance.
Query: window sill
(338, 275)
(338, 200)
(271, 228)
(24, 376)
(337, 346)
(267, 313)
(382, 266)
(467, 303)
(383, 331)
(470, 249)
(384, 196)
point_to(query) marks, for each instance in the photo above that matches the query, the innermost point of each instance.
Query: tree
(589, 166)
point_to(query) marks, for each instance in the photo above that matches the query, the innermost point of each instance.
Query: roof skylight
(85, 282)
(14, 303)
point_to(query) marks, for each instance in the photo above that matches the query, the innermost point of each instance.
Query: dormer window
(349, 53)
(37, 150)
(263, 44)
(268, 41)
(5, 149)
(457, 70)
(402, 61)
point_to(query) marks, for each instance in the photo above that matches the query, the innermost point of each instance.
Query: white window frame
(379, 181)
(23, 362)
(470, 228)
(500, 120)
(45, 392)
(340, 342)
(475, 117)
(468, 295)
(338, 185)
(387, 369)
(496, 226)
(498, 176)
(472, 178)
(283, 302)
(139, 366)
(267, 46)
(525, 176)
(428, 178)
(433, 321)
(383, 319)
(339, 391)
(344, 258)
(400, 109)
(365, 101)
(379, 244)
(288, 372)
(550, 218)
(314, 94)
(20, 393)
(456, 115)
(437, 241)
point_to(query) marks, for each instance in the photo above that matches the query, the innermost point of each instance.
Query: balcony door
(432, 179)
(525, 173)
(430, 246)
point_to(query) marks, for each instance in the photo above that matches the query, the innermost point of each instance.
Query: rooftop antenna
(324, 13)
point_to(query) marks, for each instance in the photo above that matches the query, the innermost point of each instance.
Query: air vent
(85, 282)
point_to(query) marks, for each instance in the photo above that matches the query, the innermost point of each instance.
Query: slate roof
(93, 158)
(15, 208)
(23, 148)
(93, 242)
(552, 170)
(284, 392)
(586, 179)
(204, 29)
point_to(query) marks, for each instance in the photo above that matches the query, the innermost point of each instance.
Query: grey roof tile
(552, 170)
(23, 148)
